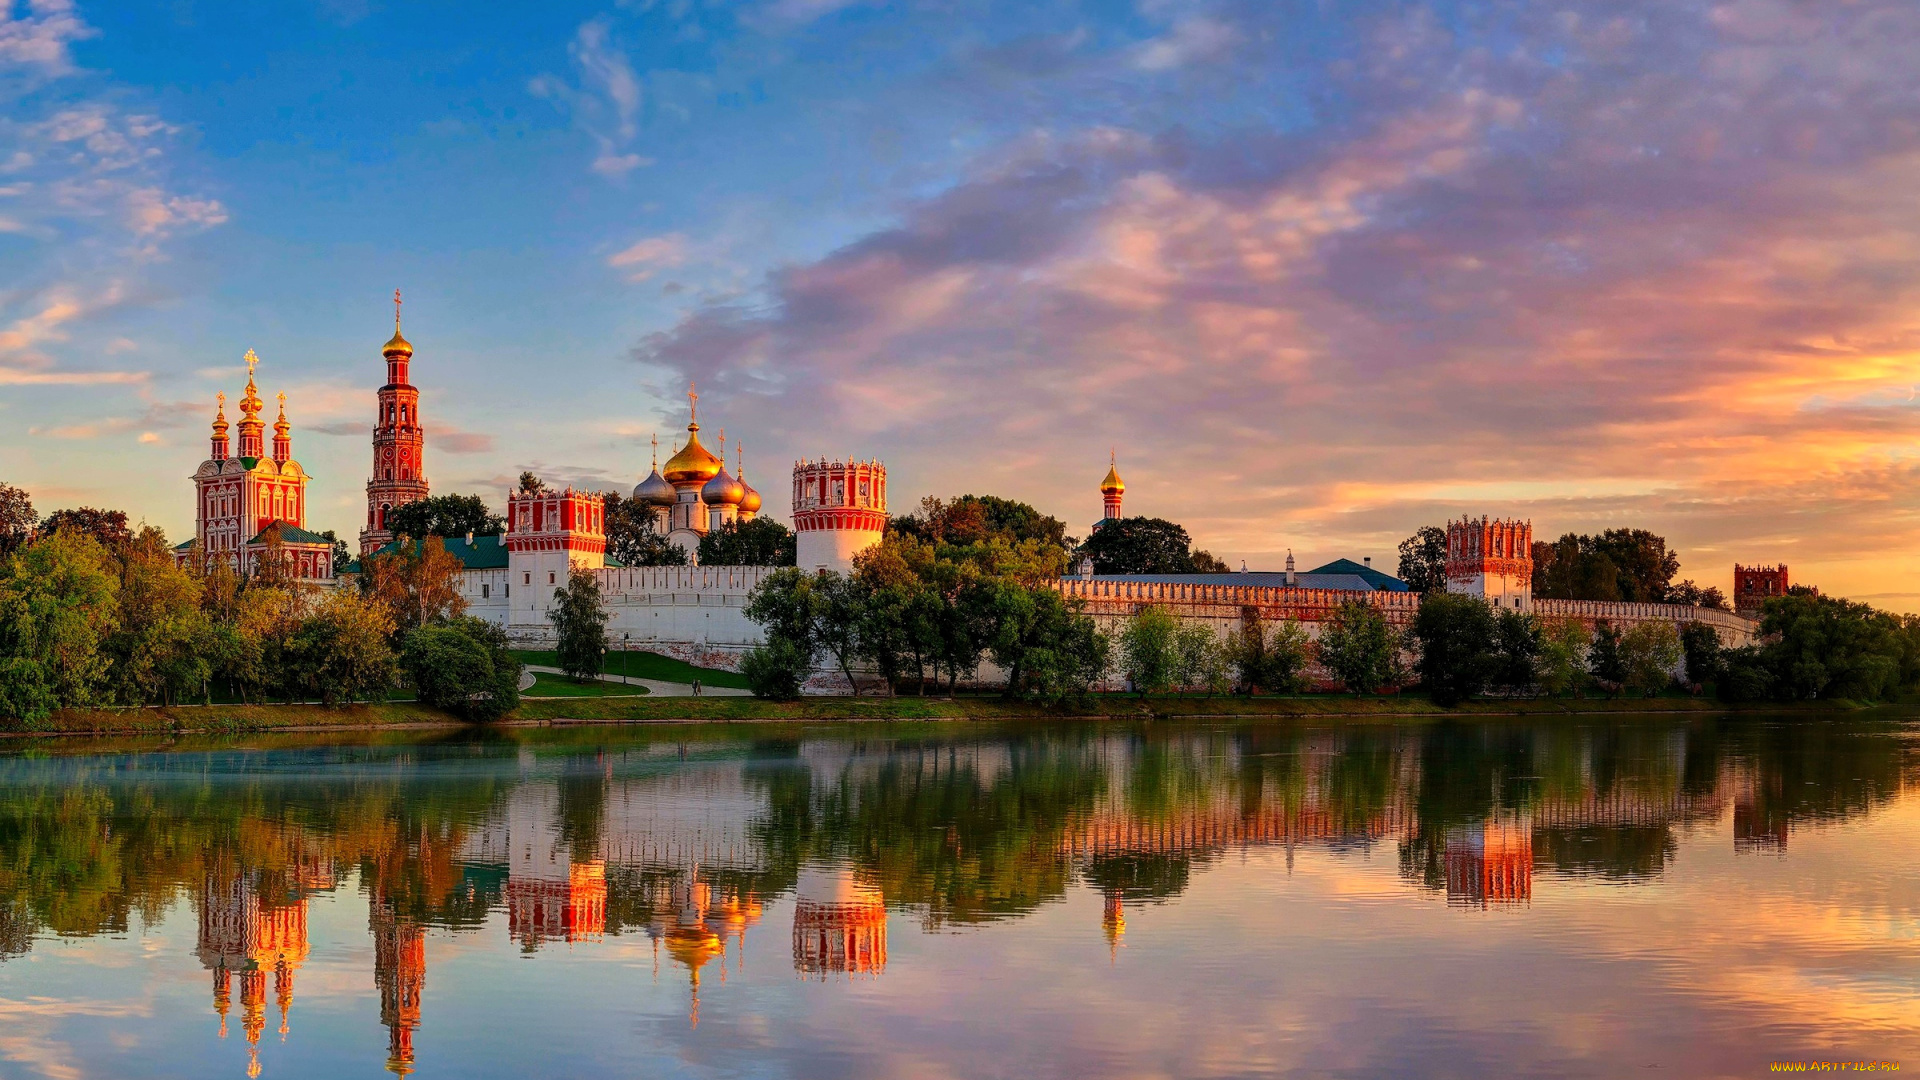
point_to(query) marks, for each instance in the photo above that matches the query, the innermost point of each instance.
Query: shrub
(776, 669)
(26, 694)
(463, 667)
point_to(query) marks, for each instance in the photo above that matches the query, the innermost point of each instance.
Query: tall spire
(252, 442)
(282, 433)
(396, 345)
(693, 408)
(656, 451)
(220, 427)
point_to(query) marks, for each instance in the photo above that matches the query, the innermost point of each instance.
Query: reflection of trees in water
(985, 824)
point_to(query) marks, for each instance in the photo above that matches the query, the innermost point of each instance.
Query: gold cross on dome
(251, 361)
(693, 402)
(396, 310)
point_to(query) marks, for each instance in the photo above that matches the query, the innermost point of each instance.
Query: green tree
(1455, 633)
(1201, 661)
(1650, 651)
(161, 643)
(342, 555)
(1707, 596)
(418, 583)
(902, 611)
(840, 617)
(1423, 560)
(58, 603)
(1049, 648)
(26, 692)
(1604, 658)
(17, 518)
(760, 542)
(1139, 546)
(633, 537)
(1148, 654)
(1563, 656)
(1359, 648)
(777, 668)
(973, 519)
(1518, 647)
(109, 527)
(445, 515)
(1704, 655)
(580, 623)
(1824, 647)
(465, 667)
(1065, 659)
(340, 651)
(1618, 564)
(530, 484)
(1205, 562)
(1289, 649)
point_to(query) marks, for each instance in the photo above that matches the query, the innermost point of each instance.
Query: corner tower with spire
(399, 442)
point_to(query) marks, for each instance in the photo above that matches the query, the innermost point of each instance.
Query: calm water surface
(1641, 897)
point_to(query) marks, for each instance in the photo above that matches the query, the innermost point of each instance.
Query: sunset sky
(1320, 272)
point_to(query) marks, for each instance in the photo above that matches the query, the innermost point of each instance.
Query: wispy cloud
(607, 102)
(36, 37)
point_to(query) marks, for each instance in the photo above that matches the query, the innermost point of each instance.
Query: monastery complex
(251, 504)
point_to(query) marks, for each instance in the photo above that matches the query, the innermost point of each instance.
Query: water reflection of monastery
(695, 846)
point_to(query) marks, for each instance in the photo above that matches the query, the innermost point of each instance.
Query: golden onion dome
(654, 489)
(1112, 485)
(692, 464)
(396, 345)
(749, 502)
(723, 489)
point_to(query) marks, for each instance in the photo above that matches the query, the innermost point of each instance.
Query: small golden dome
(396, 345)
(750, 502)
(693, 464)
(1112, 485)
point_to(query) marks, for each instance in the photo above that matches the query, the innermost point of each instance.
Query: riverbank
(231, 719)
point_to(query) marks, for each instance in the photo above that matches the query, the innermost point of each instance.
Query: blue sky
(1322, 273)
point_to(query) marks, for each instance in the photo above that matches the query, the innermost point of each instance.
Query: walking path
(654, 686)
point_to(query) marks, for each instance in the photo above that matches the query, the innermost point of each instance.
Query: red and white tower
(399, 442)
(1752, 585)
(1492, 559)
(839, 510)
(549, 534)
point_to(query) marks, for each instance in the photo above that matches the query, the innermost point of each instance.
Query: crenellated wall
(697, 613)
(1224, 606)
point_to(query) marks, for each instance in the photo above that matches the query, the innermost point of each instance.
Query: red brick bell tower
(399, 442)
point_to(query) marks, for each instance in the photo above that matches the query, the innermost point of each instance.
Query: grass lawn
(559, 686)
(646, 665)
